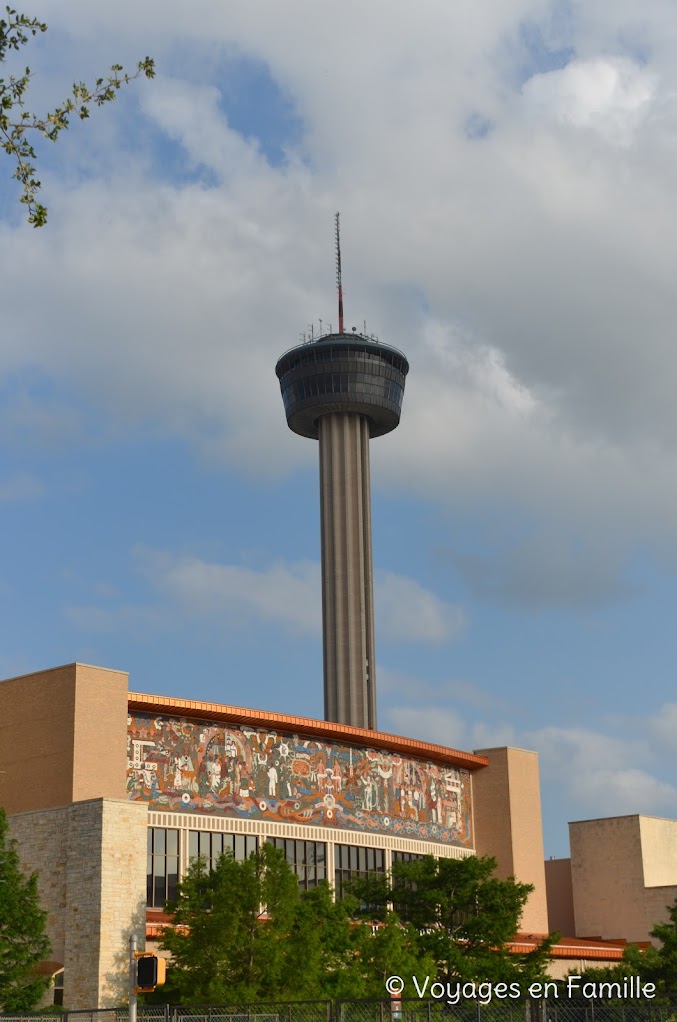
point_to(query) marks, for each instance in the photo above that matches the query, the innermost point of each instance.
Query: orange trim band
(174, 707)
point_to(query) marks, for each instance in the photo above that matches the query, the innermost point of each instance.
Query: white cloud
(527, 274)
(432, 724)
(20, 487)
(285, 594)
(289, 594)
(610, 95)
(408, 612)
(613, 767)
(605, 775)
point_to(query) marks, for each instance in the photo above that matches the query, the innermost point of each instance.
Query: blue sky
(505, 178)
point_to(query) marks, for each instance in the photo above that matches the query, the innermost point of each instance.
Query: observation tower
(342, 389)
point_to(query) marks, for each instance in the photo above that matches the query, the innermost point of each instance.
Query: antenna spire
(338, 273)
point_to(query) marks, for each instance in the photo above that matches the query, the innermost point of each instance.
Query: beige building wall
(607, 877)
(63, 737)
(91, 863)
(624, 875)
(659, 851)
(508, 824)
(560, 897)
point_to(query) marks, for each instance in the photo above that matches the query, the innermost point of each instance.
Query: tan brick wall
(607, 878)
(36, 739)
(658, 901)
(560, 897)
(99, 734)
(63, 735)
(92, 881)
(508, 824)
(624, 875)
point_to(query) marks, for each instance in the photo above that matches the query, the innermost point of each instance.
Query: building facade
(620, 881)
(112, 793)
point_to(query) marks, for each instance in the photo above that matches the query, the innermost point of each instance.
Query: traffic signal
(150, 972)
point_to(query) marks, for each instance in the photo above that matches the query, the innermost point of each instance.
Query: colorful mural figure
(174, 763)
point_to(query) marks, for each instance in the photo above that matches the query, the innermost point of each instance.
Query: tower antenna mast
(338, 274)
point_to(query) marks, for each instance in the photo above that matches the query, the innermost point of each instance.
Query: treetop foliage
(465, 916)
(18, 125)
(245, 932)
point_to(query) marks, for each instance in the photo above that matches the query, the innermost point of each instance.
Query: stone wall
(91, 863)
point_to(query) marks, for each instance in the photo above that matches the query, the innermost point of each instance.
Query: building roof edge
(238, 715)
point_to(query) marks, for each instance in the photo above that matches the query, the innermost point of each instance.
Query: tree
(237, 929)
(465, 918)
(23, 941)
(244, 933)
(18, 125)
(353, 958)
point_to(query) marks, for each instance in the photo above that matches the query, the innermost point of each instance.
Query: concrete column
(347, 579)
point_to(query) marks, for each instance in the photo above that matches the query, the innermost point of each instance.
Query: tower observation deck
(342, 389)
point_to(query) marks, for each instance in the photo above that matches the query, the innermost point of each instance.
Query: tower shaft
(347, 578)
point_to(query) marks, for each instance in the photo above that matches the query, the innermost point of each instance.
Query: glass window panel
(290, 851)
(310, 853)
(149, 839)
(159, 839)
(172, 876)
(192, 844)
(240, 853)
(159, 887)
(353, 857)
(371, 859)
(172, 842)
(362, 859)
(251, 844)
(320, 853)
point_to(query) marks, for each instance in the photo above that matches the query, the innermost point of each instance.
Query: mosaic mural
(253, 773)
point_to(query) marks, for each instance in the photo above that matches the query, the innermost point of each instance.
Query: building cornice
(239, 716)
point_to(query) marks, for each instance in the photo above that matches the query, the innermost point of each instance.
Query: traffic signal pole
(132, 978)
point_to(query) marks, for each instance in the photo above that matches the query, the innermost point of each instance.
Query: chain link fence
(418, 1010)
(400, 1010)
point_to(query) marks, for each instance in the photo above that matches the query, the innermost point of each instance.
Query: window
(402, 883)
(162, 872)
(308, 859)
(352, 861)
(58, 988)
(408, 857)
(211, 846)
